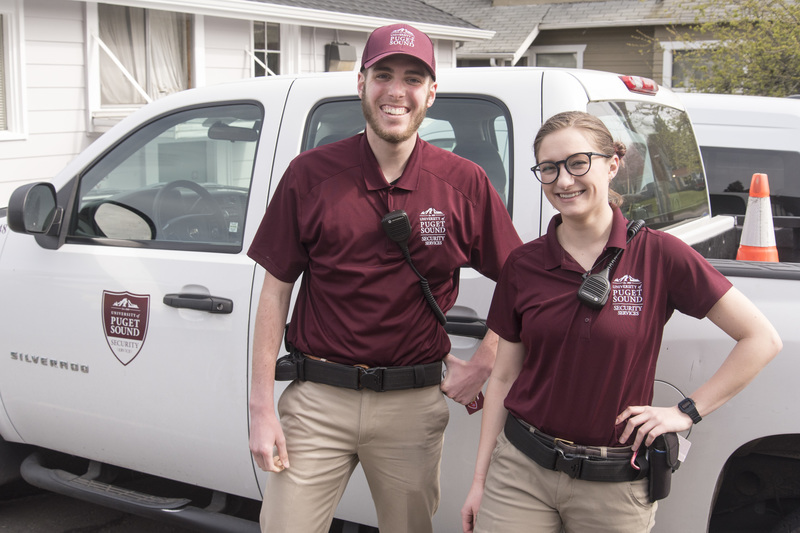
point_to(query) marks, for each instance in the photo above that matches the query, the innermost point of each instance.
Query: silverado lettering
(53, 363)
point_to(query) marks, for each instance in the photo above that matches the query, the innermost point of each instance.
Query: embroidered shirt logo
(432, 227)
(401, 37)
(626, 296)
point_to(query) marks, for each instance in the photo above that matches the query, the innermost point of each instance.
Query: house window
(461, 62)
(145, 54)
(491, 62)
(267, 48)
(557, 56)
(3, 123)
(12, 104)
(566, 60)
(677, 72)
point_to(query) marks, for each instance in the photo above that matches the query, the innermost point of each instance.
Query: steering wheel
(202, 221)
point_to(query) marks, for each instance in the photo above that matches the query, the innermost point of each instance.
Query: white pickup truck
(128, 299)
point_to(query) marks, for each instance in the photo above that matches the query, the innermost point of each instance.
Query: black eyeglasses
(576, 165)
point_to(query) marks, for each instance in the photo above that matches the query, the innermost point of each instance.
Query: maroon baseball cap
(399, 39)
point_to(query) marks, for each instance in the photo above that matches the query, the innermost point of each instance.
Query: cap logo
(402, 37)
(399, 39)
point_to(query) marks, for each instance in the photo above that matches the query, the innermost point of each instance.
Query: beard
(391, 136)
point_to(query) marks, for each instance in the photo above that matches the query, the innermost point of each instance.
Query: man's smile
(394, 110)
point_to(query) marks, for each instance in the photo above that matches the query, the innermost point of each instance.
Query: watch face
(687, 406)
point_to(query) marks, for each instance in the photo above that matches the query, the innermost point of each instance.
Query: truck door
(130, 340)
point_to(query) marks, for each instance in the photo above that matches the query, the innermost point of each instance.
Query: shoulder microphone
(398, 228)
(595, 288)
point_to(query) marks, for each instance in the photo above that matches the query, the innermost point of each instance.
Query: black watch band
(688, 406)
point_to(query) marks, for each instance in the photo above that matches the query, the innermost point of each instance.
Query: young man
(370, 347)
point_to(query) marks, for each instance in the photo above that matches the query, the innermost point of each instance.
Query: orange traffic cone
(758, 233)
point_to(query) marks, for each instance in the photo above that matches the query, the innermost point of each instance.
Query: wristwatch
(687, 406)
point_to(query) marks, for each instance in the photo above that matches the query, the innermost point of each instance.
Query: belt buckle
(371, 378)
(569, 464)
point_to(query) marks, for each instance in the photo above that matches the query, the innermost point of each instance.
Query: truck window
(661, 178)
(731, 169)
(476, 128)
(181, 182)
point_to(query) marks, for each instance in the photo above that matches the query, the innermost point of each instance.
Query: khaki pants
(397, 436)
(520, 495)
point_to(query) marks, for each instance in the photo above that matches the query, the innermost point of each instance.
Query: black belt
(380, 378)
(551, 455)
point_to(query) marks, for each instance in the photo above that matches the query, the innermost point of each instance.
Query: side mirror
(119, 221)
(32, 209)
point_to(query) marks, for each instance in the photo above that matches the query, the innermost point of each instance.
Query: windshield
(477, 128)
(661, 177)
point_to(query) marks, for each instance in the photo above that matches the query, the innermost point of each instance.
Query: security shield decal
(125, 318)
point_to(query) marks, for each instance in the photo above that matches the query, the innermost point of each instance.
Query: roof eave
(617, 24)
(523, 48)
(250, 10)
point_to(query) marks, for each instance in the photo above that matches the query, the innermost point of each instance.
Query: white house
(72, 68)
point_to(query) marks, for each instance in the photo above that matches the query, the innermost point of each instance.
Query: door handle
(466, 326)
(200, 302)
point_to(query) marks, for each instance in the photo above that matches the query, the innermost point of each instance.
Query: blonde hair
(594, 128)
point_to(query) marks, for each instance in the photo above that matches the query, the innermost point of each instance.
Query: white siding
(55, 95)
(47, 75)
(50, 54)
(226, 42)
(445, 54)
(58, 120)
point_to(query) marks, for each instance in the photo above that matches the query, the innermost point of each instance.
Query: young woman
(568, 402)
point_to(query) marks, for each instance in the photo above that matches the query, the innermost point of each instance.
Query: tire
(11, 456)
(789, 524)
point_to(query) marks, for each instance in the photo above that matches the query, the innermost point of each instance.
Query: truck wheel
(789, 524)
(11, 456)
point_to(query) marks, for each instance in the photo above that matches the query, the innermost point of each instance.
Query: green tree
(755, 48)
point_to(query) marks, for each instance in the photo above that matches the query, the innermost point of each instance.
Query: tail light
(638, 84)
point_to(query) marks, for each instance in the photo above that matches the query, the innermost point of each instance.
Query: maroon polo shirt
(359, 301)
(582, 366)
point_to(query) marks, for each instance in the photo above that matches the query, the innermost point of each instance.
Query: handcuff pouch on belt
(663, 457)
(290, 367)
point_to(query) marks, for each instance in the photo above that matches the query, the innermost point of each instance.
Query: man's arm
(265, 428)
(465, 379)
